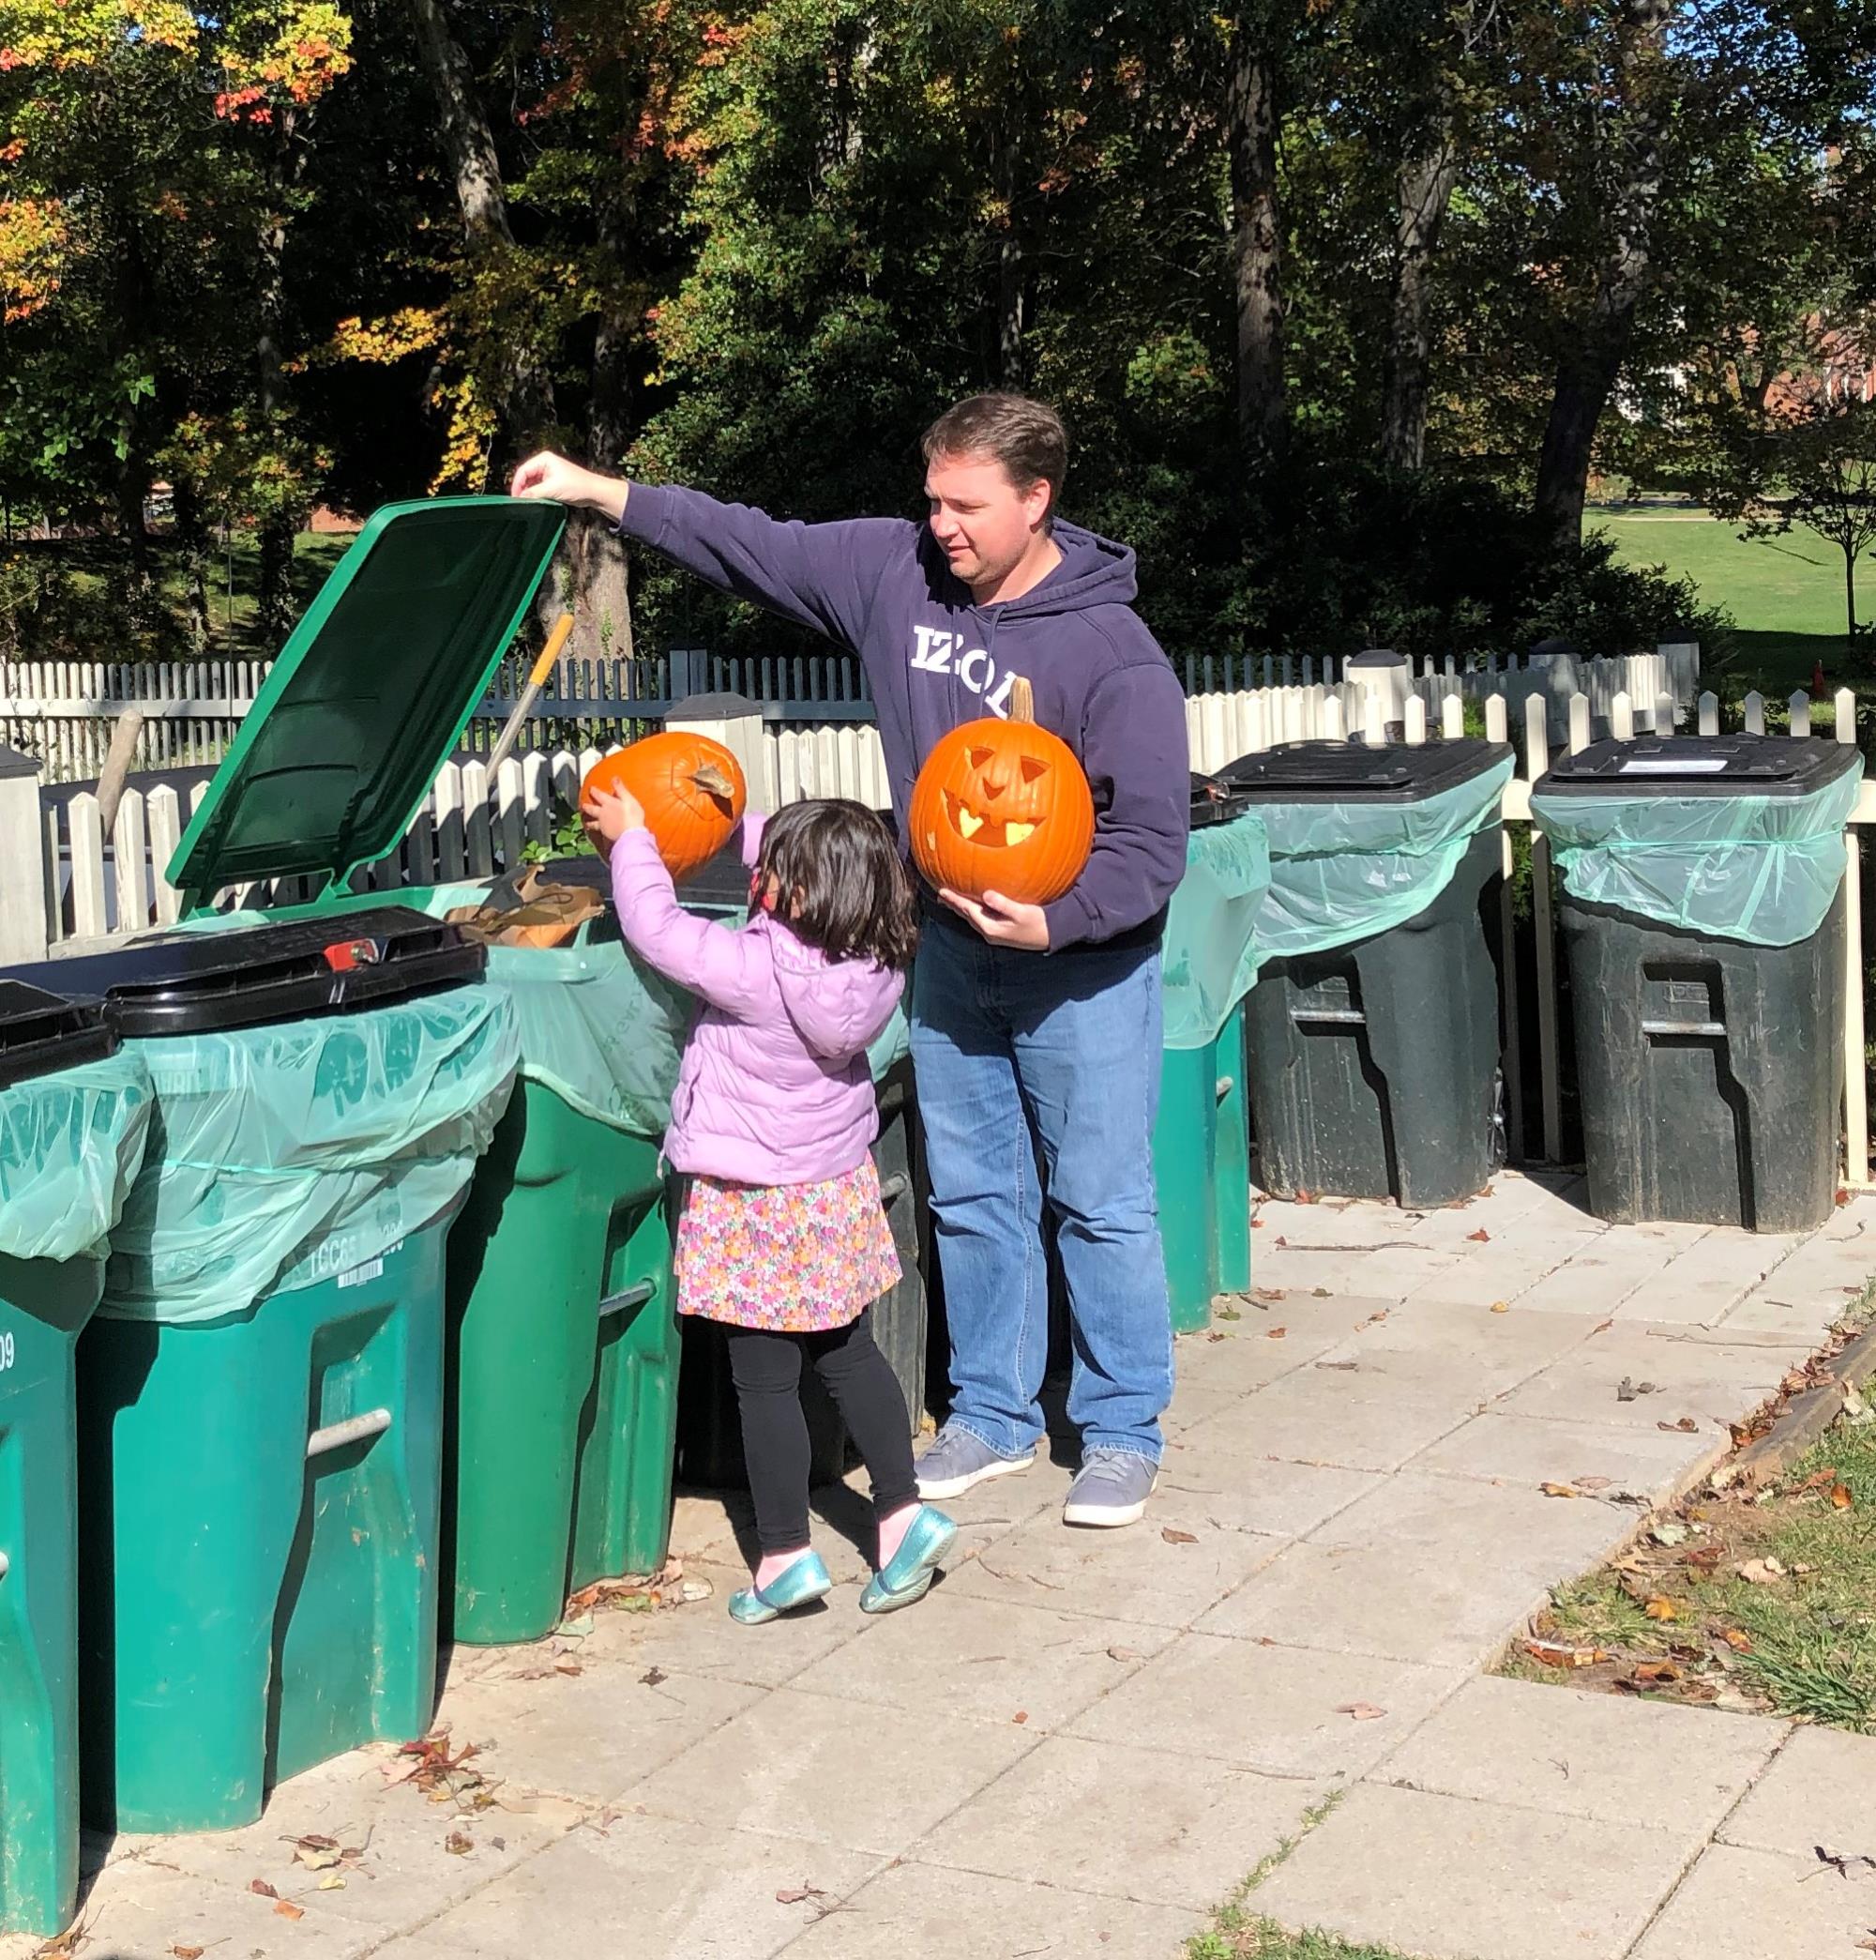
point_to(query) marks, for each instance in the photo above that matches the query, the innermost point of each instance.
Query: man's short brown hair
(1026, 437)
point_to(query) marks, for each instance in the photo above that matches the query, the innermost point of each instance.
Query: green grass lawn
(1785, 594)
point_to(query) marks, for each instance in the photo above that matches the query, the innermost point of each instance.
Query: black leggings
(766, 1368)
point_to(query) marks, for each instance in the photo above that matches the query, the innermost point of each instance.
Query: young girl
(784, 1240)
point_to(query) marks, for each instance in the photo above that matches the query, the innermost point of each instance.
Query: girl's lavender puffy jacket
(775, 1086)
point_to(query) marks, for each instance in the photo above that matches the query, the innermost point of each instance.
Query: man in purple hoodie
(1035, 1029)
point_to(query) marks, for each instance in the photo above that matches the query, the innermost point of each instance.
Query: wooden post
(1855, 1093)
(1497, 729)
(1622, 719)
(1799, 708)
(1452, 718)
(1536, 760)
(25, 904)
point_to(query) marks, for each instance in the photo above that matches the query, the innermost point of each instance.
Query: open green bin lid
(371, 694)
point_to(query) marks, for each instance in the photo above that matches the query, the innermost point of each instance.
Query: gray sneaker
(1111, 1488)
(958, 1460)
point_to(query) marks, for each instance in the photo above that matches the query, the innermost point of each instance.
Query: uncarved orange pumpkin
(691, 789)
(1003, 806)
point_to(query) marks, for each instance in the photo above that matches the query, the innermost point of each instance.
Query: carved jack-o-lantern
(1003, 807)
(691, 789)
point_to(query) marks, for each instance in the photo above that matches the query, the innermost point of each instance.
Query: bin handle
(628, 1297)
(1332, 1017)
(354, 1429)
(1708, 1028)
(894, 1187)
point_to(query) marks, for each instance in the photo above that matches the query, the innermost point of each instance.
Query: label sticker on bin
(1693, 766)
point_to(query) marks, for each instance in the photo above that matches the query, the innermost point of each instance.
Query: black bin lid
(42, 1031)
(1702, 766)
(187, 983)
(1352, 772)
(1215, 801)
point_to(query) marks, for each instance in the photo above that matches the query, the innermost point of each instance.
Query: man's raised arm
(819, 576)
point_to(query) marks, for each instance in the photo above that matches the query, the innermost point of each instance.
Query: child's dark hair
(841, 885)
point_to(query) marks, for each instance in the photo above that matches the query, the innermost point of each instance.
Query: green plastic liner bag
(1342, 872)
(1763, 870)
(1211, 956)
(72, 1145)
(285, 1155)
(598, 1026)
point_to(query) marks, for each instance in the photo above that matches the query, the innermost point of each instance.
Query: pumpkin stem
(709, 777)
(1021, 699)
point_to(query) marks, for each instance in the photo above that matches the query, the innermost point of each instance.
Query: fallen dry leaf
(1687, 1425)
(1123, 1654)
(1321, 1293)
(332, 1882)
(653, 1677)
(1275, 1334)
(1761, 1571)
(1740, 1643)
(1602, 1326)
(1592, 1483)
(1228, 1312)
(288, 1910)
(1374, 1318)
(1841, 1496)
(459, 1844)
(1480, 1238)
(1657, 1671)
(1501, 1306)
(1668, 1531)
(1175, 1536)
(262, 1888)
(1214, 1335)
(1661, 1607)
(1555, 1653)
(1360, 1711)
(1559, 1490)
(793, 1895)
(186, 1952)
(1269, 1294)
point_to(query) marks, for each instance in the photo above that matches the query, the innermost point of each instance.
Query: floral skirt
(790, 1258)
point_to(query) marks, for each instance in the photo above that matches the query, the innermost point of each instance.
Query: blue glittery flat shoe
(798, 1585)
(907, 1575)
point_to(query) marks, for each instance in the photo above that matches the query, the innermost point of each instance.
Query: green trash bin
(1201, 1140)
(563, 1372)
(74, 1116)
(1372, 1033)
(278, 1287)
(1702, 922)
(260, 1392)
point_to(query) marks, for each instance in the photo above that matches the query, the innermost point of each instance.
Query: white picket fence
(62, 712)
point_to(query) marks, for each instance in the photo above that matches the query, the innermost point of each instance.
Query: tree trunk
(192, 535)
(279, 526)
(140, 584)
(1423, 187)
(595, 587)
(1587, 375)
(1850, 599)
(467, 139)
(1257, 240)
(524, 393)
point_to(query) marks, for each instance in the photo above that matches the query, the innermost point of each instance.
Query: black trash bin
(1373, 1058)
(1702, 921)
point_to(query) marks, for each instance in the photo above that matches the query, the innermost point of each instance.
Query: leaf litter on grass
(1748, 1601)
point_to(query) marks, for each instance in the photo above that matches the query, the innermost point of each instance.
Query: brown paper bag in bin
(533, 914)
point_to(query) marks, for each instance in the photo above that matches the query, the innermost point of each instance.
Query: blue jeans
(1020, 1056)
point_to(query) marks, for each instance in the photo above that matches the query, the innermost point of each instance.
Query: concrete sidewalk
(1081, 1742)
